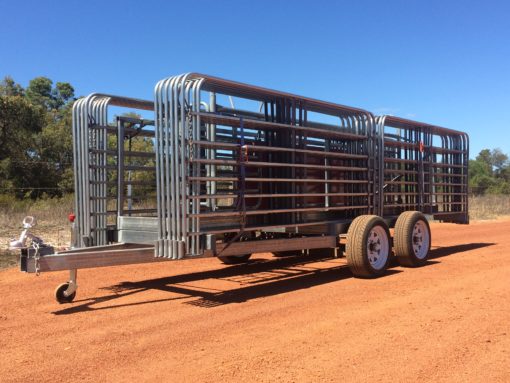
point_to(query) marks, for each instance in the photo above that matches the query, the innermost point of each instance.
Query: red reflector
(71, 217)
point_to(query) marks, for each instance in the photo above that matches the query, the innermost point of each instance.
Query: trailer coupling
(30, 245)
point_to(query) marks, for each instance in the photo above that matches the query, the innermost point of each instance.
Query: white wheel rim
(421, 239)
(378, 247)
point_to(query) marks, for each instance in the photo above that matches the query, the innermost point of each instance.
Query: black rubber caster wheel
(233, 260)
(290, 253)
(61, 297)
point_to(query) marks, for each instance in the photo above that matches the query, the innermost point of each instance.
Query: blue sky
(442, 62)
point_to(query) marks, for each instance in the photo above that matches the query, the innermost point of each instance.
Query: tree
(480, 177)
(8, 87)
(54, 151)
(62, 94)
(20, 122)
(490, 172)
(495, 160)
(35, 137)
(499, 160)
(39, 92)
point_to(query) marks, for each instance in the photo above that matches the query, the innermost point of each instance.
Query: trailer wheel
(60, 294)
(233, 260)
(412, 239)
(289, 253)
(368, 246)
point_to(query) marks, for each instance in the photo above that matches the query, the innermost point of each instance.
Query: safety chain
(37, 258)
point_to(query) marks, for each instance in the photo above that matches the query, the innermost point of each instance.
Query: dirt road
(273, 320)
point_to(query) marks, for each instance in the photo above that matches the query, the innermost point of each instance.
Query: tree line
(35, 138)
(36, 144)
(489, 173)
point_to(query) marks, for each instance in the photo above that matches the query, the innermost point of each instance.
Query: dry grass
(489, 207)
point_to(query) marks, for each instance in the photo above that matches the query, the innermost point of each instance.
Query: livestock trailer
(228, 169)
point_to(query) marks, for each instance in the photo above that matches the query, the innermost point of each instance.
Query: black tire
(368, 260)
(234, 260)
(412, 239)
(61, 297)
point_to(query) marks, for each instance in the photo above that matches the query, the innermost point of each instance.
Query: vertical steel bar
(120, 167)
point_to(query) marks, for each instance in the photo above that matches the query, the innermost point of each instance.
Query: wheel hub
(377, 247)
(421, 239)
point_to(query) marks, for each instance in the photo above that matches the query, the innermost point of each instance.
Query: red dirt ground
(297, 319)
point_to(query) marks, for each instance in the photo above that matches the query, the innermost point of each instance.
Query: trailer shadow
(441, 251)
(257, 279)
